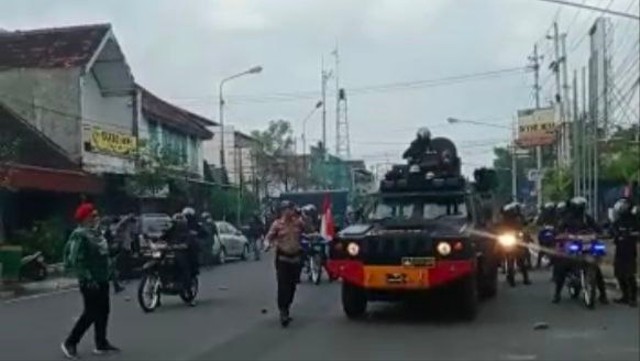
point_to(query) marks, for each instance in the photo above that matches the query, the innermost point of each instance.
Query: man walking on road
(285, 234)
(87, 254)
(625, 233)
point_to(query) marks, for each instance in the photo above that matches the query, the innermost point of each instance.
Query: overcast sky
(182, 49)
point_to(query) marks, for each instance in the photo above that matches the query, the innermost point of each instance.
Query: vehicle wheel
(490, 284)
(315, 268)
(589, 288)
(354, 301)
(189, 296)
(468, 297)
(148, 295)
(222, 256)
(245, 253)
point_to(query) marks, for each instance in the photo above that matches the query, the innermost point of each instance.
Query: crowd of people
(571, 217)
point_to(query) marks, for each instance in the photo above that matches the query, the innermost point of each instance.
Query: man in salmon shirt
(285, 235)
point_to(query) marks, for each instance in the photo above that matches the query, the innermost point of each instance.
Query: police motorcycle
(586, 250)
(161, 275)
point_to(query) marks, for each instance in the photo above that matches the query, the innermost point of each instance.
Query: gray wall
(49, 99)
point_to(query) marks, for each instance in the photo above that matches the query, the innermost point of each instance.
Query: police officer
(179, 235)
(546, 218)
(575, 220)
(625, 230)
(513, 220)
(418, 146)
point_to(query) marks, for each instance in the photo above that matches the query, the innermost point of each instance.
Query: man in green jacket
(87, 254)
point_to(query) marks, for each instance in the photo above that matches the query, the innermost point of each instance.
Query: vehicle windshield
(427, 208)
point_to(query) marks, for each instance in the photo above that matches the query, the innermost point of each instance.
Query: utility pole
(555, 67)
(325, 75)
(575, 140)
(583, 132)
(336, 72)
(566, 126)
(535, 59)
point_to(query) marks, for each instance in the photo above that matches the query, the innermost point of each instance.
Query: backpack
(70, 253)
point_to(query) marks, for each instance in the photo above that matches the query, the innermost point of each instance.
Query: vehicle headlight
(156, 254)
(444, 248)
(353, 249)
(507, 239)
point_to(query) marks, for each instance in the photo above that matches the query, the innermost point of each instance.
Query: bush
(46, 236)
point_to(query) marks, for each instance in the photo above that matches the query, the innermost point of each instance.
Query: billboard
(536, 127)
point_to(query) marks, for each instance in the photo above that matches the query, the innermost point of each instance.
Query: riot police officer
(576, 220)
(547, 217)
(418, 146)
(625, 230)
(513, 221)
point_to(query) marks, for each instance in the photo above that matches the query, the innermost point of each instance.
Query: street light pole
(254, 70)
(319, 104)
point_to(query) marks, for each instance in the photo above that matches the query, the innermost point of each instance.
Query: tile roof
(65, 47)
(174, 117)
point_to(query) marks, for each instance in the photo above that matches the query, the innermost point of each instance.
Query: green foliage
(620, 157)
(45, 236)
(557, 184)
(276, 139)
(156, 169)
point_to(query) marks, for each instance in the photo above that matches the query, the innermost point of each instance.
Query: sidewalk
(56, 281)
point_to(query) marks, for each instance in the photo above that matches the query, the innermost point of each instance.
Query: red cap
(84, 211)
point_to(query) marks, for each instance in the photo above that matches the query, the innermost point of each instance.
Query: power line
(612, 12)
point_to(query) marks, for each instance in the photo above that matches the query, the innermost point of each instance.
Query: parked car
(230, 243)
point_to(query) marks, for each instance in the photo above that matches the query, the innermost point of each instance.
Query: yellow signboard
(536, 127)
(113, 143)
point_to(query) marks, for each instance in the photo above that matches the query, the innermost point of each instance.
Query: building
(74, 85)
(163, 126)
(240, 155)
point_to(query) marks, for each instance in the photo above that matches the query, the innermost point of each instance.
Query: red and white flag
(327, 226)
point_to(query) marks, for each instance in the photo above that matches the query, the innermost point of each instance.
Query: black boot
(285, 319)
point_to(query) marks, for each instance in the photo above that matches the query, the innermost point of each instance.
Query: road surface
(228, 324)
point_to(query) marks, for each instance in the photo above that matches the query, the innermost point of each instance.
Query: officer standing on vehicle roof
(418, 146)
(576, 220)
(626, 231)
(285, 235)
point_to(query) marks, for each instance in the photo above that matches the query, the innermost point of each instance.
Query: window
(428, 208)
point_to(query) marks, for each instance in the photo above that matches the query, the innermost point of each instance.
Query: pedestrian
(625, 230)
(285, 235)
(87, 255)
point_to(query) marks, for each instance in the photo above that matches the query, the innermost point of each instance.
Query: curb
(37, 288)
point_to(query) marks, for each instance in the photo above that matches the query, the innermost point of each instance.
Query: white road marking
(40, 295)
(520, 357)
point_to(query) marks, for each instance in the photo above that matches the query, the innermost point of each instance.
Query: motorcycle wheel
(315, 267)
(189, 296)
(149, 293)
(589, 288)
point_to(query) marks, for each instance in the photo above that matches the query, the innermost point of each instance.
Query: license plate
(396, 278)
(428, 262)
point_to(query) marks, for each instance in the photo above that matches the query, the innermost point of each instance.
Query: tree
(557, 184)
(620, 158)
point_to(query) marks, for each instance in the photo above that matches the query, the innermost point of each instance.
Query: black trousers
(625, 272)
(96, 312)
(288, 274)
(518, 258)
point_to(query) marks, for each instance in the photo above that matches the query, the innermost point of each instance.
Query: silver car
(230, 243)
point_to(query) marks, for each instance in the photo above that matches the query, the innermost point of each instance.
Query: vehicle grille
(390, 249)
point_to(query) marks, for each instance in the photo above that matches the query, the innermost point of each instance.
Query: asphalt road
(228, 324)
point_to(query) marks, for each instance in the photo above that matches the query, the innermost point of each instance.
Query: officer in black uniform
(626, 231)
(513, 221)
(547, 218)
(576, 220)
(418, 147)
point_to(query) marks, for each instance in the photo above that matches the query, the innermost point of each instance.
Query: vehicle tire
(148, 288)
(589, 288)
(222, 256)
(188, 297)
(245, 253)
(490, 283)
(468, 298)
(354, 301)
(315, 269)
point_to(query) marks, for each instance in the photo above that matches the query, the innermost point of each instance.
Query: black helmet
(622, 206)
(549, 205)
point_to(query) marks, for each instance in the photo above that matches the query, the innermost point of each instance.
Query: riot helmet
(424, 133)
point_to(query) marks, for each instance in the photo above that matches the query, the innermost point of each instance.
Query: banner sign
(112, 143)
(536, 127)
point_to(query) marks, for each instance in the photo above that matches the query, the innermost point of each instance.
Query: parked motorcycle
(33, 267)
(587, 251)
(162, 276)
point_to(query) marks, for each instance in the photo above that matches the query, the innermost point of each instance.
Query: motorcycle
(509, 243)
(315, 250)
(587, 251)
(162, 276)
(546, 237)
(33, 267)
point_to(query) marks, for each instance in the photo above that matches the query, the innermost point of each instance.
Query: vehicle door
(236, 239)
(225, 238)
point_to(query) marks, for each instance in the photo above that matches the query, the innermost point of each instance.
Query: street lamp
(514, 163)
(254, 70)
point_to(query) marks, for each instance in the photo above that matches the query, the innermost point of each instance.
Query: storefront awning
(25, 177)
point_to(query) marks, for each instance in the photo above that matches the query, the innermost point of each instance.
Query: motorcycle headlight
(353, 249)
(156, 254)
(444, 248)
(507, 240)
